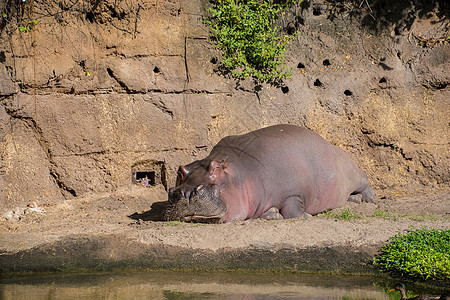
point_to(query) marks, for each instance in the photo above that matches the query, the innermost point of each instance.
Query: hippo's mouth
(201, 204)
(203, 219)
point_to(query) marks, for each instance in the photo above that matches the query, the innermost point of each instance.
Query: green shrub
(421, 253)
(245, 31)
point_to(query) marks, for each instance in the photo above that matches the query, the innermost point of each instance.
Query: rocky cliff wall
(101, 94)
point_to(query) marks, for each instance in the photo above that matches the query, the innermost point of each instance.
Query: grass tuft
(346, 214)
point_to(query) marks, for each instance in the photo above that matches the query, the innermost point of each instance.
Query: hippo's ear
(184, 171)
(181, 175)
(216, 170)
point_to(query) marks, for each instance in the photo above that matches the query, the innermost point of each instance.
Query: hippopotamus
(281, 171)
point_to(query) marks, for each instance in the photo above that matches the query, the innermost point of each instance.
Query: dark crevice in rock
(162, 107)
(139, 56)
(121, 83)
(82, 154)
(47, 91)
(436, 85)
(385, 66)
(62, 186)
(393, 147)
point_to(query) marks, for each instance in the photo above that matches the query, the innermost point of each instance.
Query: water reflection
(184, 285)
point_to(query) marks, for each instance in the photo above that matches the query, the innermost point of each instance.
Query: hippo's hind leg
(355, 198)
(293, 208)
(366, 195)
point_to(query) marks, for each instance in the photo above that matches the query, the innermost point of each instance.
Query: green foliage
(28, 27)
(421, 253)
(245, 31)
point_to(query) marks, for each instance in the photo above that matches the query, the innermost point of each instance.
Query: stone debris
(19, 212)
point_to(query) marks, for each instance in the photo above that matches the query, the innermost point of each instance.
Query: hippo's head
(196, 196)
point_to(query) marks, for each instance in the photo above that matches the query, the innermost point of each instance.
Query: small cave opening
(149, 173)
(383, 80)
(156, 70)
(318, 83)
(285, 89)
(300, 66)
(326, 62)
(146, 178)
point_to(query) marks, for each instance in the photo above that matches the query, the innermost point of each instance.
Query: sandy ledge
(96, 233)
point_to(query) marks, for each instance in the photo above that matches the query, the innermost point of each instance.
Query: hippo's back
(289, 160)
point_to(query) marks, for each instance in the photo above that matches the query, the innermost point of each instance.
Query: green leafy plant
(245, 31)
(421, 253)
(28, 27)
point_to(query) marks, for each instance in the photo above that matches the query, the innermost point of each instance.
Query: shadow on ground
(156, 212)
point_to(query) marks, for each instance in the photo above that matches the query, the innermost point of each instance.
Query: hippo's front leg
(293, 208)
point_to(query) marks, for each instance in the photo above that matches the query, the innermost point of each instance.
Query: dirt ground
(119, 213)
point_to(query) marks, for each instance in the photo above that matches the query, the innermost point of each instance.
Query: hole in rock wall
(326, 63)
(316, 11)
(156, 70)
(317, 83)
(146, 178)
(291, 29)
(348, 93)
(300, 66)
(383, 80)
(285, 89)
(149, 173)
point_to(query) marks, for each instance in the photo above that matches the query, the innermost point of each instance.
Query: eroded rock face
(100, 89)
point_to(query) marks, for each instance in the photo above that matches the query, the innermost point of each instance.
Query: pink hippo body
(279, 171)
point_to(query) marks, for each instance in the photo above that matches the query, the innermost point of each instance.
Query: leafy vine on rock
(252, 45)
